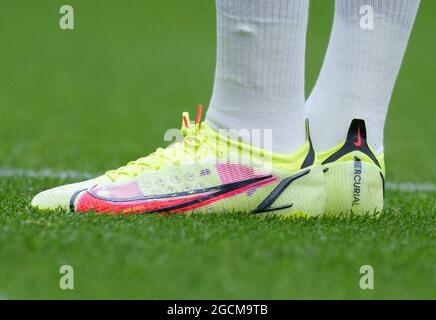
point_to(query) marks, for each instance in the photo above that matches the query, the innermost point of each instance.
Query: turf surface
(93, 98)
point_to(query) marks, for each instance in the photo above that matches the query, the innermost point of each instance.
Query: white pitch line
(48, 173)
(411, 186)
(44, 173)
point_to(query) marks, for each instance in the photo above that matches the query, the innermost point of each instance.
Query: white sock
(359, 70)
(259, 79)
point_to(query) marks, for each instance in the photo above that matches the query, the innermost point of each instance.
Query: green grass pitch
(93, 98)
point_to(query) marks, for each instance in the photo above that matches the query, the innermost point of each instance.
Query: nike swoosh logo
(170, 202)
(358, 143)
(231, 188)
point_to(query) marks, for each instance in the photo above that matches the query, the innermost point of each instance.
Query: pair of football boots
(209, 172)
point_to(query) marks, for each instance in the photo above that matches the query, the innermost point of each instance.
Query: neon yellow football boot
(354, 175)
(205, 172)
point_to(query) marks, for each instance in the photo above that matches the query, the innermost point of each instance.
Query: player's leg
(259, 85)
(259, 79)
(365, 52)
